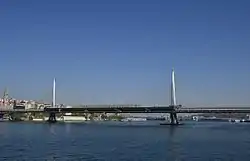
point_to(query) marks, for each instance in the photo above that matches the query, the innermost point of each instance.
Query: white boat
(66, 118)
(134, 119)
(36, 119)
(237, 120)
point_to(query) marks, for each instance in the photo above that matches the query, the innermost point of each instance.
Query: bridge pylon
(173, 104)
(54, 93)
(52, 114)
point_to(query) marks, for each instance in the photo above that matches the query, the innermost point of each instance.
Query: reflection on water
(124, 141)
(173, 145)
(67, 128)
(172, 130)
(52, 129)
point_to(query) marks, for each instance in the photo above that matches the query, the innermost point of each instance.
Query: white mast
(173, 96)
(54, 93)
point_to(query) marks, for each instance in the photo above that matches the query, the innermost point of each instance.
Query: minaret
(54, 93)
(173, 96)
(5, 96)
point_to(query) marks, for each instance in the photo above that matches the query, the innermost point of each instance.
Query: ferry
(67, 117)
(72, 118)
(133, 119)
(238, 120)
(38, 119)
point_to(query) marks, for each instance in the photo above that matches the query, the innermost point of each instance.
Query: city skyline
(123, 52)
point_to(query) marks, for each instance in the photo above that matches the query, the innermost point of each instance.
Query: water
(124, 141)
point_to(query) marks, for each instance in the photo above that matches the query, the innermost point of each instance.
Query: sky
(122, 52)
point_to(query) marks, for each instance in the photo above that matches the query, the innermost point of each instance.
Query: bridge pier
(15, 116)
(52, 117)
(1, 115)
(173, 118)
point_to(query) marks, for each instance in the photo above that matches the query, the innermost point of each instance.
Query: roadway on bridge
(162, 109)
(214, 110)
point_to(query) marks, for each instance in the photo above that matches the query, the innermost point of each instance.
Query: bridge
(173, 109)
(150, 109)
(142, 109)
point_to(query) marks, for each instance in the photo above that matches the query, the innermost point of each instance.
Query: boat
(238, 120)
(2, 119)
(133, 119)
(37, 119)
(67, 118)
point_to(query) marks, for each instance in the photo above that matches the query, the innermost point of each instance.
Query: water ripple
(124, 142)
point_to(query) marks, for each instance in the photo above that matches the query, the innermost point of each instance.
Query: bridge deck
(166, 109)
(163, 109)
(214, 110)
(115, 110)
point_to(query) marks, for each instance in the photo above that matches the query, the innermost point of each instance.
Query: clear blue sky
(123, 51)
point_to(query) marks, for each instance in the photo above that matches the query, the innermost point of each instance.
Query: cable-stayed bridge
(172, 109)
(141, 109)
(152, 109)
